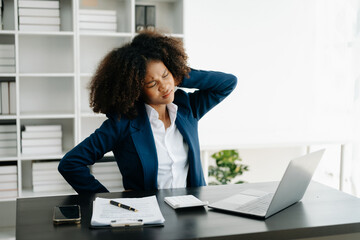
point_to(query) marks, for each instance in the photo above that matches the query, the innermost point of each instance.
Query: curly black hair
(119, 79)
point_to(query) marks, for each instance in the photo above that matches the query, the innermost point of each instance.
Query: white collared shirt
(172, 150)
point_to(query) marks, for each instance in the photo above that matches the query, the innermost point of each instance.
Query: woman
(152, 127)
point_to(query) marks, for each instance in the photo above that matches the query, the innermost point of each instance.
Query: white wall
(291, 59)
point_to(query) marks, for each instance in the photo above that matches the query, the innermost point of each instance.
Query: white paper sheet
(148, 211)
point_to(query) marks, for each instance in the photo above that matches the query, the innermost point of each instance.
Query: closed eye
(151, 84)
(165, 74)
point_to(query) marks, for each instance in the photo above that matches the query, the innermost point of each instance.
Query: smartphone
(67, 214)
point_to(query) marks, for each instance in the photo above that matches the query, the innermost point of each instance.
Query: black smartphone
(67, 214)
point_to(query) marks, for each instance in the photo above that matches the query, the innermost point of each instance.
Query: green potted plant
(228, 166)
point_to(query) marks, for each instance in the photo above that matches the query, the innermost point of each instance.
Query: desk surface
(323, 211)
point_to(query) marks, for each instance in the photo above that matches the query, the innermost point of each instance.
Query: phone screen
(67, 214)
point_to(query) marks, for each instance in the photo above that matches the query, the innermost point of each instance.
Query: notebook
(290, 190)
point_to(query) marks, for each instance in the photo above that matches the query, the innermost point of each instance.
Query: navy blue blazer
(132, 141)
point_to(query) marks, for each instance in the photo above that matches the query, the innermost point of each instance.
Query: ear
(177, 82)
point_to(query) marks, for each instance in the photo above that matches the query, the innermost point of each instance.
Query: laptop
(291, 189)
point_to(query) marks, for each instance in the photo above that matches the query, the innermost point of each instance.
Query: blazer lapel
(145, 147)
(186, 129)
(189, 132)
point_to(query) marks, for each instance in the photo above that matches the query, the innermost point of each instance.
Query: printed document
(148, 211)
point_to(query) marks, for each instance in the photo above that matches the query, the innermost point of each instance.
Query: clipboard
(127, 227)
(147, 213)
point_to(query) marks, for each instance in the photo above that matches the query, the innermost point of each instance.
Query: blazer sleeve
(74, 165)
(212, 87)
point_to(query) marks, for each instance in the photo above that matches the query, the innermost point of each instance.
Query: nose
(163, 86)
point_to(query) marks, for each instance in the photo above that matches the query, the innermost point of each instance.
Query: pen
(122, 206)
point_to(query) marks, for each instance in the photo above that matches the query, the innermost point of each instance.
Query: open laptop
(290, 190)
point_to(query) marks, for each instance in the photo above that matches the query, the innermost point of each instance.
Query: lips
(167, 94)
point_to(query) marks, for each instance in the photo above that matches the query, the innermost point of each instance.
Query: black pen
(122, 206)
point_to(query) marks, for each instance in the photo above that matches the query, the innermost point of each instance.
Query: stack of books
(7, 140)
(97, 20)
(8, 181)
(39, 15)
(46, 178)
(108, 174)
(7, 97)
(7, 58)
(41, 139)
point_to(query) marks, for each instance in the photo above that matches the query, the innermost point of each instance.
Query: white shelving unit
(53, 70)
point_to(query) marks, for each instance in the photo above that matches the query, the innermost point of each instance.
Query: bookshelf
(53, 69)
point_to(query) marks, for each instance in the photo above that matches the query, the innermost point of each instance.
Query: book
(46, 172)
(40, 142)
(8, 151)
(41, 128)
(7, 136)
(150, 18)
(112, 183)
(7, 61)
(96, 30)
(7, 143)
(51, 181)
(40, 20)
(9, 47)
(38, 12)
(8, 185)
(45, 165)
(97, 18)
(105, 167)
(50, 134)
(12, 97)
(7, 128)
(33, 27)
(5, 108)
(39, 178)
(7, 69)
(97, 26)
(38, 4)
(97, 12)
(139, 18)
(8, 169)
(42, 150)
(106, 170)
(7, 53)
(109, 176)
(8, 177)
(8, 194)
(51, 188)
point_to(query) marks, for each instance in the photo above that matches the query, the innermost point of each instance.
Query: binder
(150, 18)
(145, 17)
(139, 18)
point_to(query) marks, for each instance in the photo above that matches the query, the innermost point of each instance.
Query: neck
(161, 109)
(163, 115)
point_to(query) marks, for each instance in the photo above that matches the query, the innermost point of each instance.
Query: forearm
(213, 87)
(74, 165)
(74, 168)
(218, 82)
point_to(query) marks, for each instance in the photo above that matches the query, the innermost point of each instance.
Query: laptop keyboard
(258, 206)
